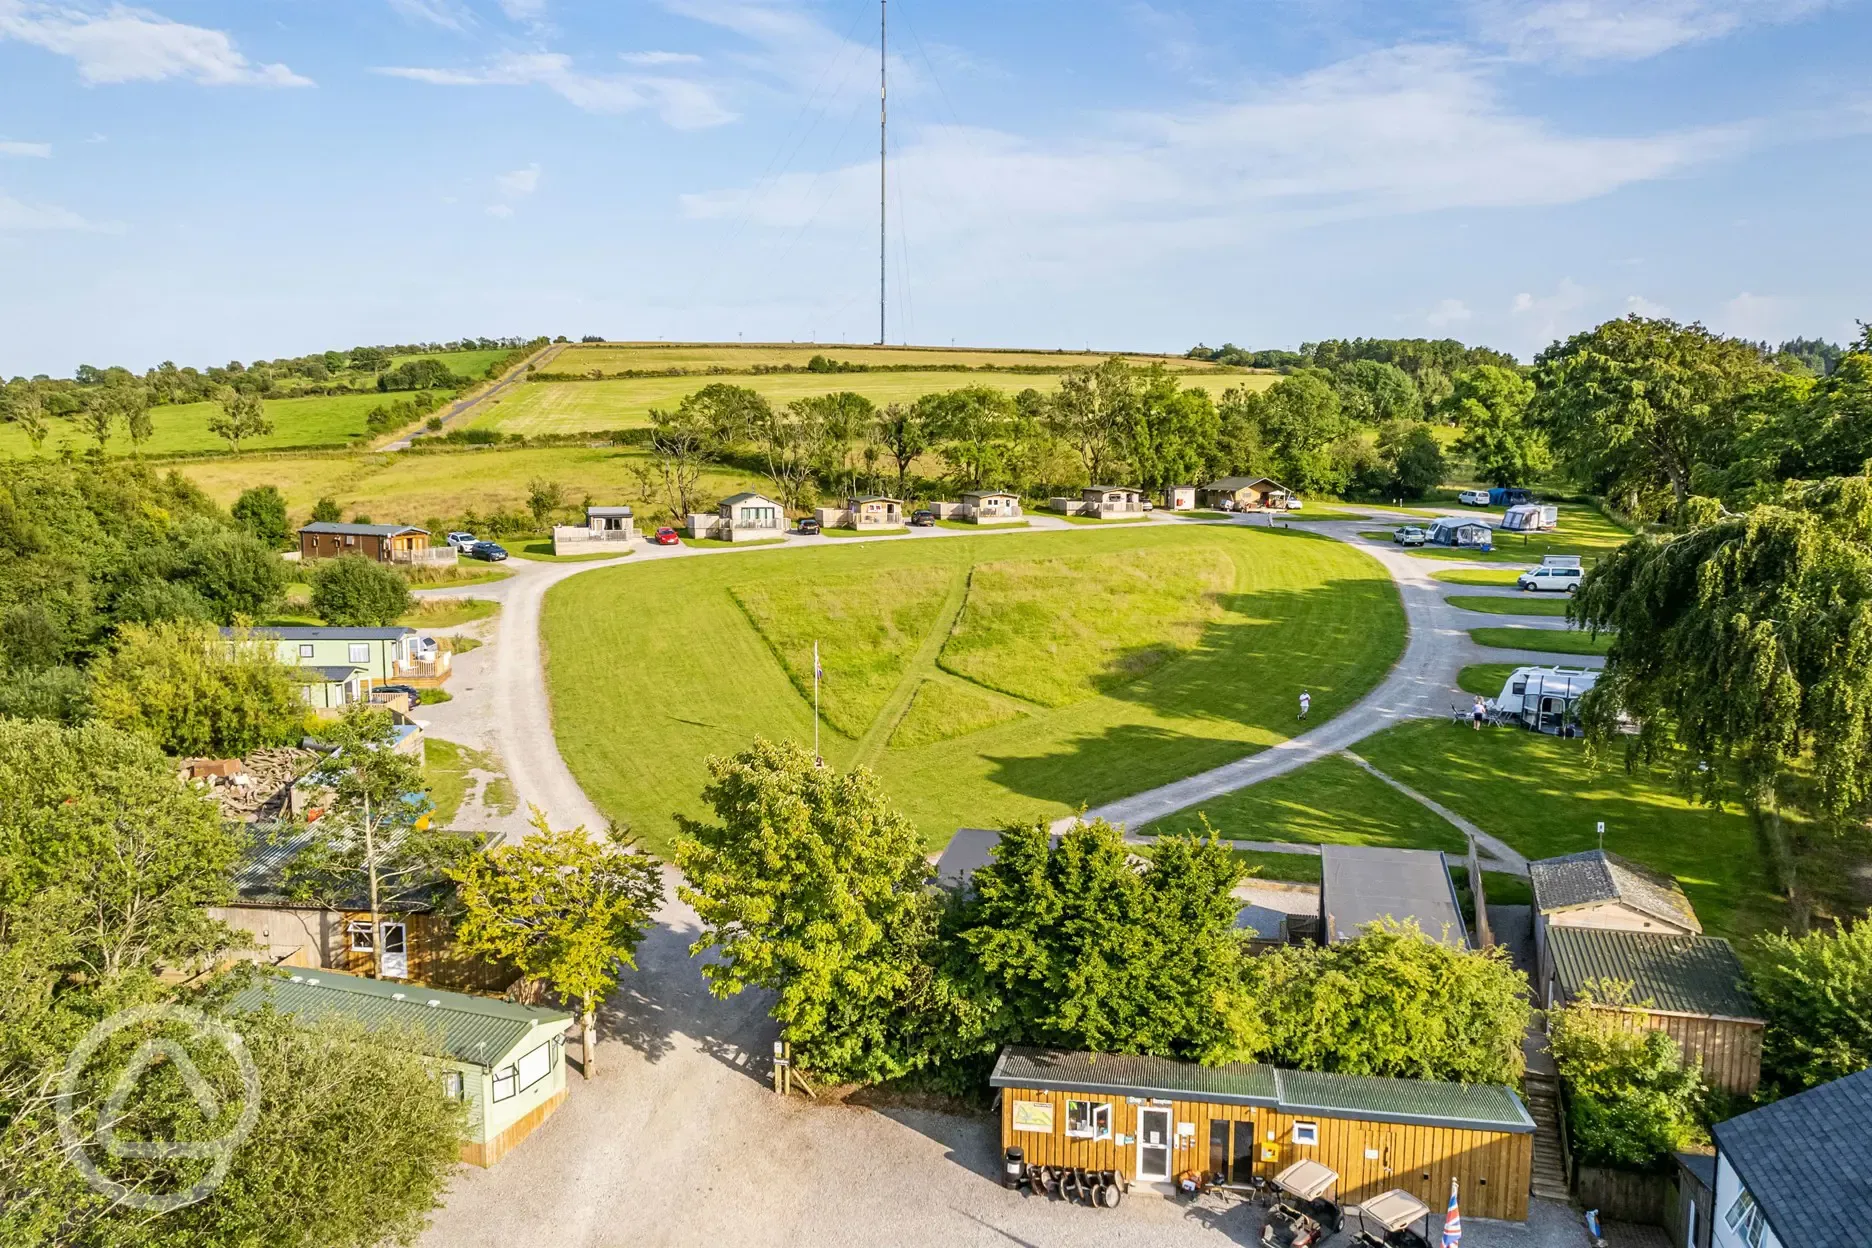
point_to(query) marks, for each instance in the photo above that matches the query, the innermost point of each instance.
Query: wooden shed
(386, 543)
(1153, 1119)
(1691, 987)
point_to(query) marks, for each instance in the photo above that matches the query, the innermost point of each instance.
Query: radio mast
(883, 131)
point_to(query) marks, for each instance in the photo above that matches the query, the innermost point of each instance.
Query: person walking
(1306, 703)
(1478, 712)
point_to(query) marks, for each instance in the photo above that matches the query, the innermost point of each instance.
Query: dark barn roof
(1594, 877)
(1698, 975)
(1419, 1102)
(1808, 1163)
(1361, 884)
(362, 530)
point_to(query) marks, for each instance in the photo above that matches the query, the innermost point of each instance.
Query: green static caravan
(505, 1061)
(377, 655)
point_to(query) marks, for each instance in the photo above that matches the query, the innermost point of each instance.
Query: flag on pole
(818, 673)
(1452, 1221)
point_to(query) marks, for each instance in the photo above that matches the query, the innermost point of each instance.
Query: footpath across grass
(654, 668)
(1478, 576)
(1546, 640)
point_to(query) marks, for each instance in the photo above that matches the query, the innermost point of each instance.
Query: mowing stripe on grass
(1546, 640)
(1524, 605)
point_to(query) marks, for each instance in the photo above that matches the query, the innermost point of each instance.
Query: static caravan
(1153, 1119)
(1546, 699)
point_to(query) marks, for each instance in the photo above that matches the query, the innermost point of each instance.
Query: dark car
(809, 525)
(493, 552)
(666, 536)
(923, 519)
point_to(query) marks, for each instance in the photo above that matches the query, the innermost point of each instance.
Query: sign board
(1033, 1116)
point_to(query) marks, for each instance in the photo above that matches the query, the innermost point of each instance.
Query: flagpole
(815, 701)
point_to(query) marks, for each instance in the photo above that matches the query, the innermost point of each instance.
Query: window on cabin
(1306, 1133)
(363, 939)
(360, 652)
(534, 1066)
(306, 650)
(1088, 1120)
(506, 1083)
(1745, 1219)
(453, 1086)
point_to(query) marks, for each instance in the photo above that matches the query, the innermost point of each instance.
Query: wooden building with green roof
(505, 1061)
(1153, 1119)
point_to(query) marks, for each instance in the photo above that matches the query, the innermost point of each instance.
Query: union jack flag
(1452, 1221)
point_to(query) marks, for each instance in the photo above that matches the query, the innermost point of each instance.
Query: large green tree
(189, 691)
(1742, 647)
(1412, 456)
(1171, 434)
(1632, 1100)
(1489, 404)
(242, 415)
(566, 908)
(1375, 393)
(352, 591)
(1642, 402)
(810, 885)
(261, 511)
(1090, 412)
(1816, 990)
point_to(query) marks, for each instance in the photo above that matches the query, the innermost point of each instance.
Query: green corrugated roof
(1682, 974)
(1486, 1107)
(476, 1030)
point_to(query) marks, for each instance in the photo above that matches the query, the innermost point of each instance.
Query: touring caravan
(1545, 699)
(1531, 518)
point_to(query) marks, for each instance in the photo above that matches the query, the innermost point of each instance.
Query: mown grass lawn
(612, 357)
(1478, 576)
(1584, 531)
(1485, 679)
(448, 612)
(1548, 640)
(1526, 604)
(182, 428)
(1542, 796)
(656, 667)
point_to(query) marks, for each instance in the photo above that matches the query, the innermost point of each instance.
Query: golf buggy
(1304, 1214)
(1387, 1221)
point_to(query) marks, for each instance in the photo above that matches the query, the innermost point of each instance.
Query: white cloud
(500, 210)
(1767, 318)
(524, 10)
(1540, 319)
(441, 13)
(1623, 30)
(124, 44)
(1449, 312)
(659, 58)
(794, 47)
(1638, 305)
(14, 147)
(18, 215)
(680, 103)
(1408, 130)
(519, 182)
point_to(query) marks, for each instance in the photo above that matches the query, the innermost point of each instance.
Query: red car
(667, 537)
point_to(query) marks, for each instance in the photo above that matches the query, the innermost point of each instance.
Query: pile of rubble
(253, 788)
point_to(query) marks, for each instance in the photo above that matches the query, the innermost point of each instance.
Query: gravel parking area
(680, 1141)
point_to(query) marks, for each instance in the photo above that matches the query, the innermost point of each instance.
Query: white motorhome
(1546, 699)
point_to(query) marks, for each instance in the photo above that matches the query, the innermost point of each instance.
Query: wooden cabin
(1153, 1119)
(385, 543)
(1691, 987)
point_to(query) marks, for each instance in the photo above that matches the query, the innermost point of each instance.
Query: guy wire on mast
(883, 131)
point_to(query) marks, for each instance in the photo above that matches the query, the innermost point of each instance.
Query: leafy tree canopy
(1632, 1100)
(1489, 404)
(352, 592)
(1816, 990)
(189, 691)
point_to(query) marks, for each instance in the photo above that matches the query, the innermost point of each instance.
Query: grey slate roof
(477, 1030)
(1702, 1166)
(319, 632)
(1484, 1107)
(361, 530)
(310, 674)
(1807, 1160)
(1681, 974)
(1361, 884)
(1239, 483)
(1593, 877)
(745, 496)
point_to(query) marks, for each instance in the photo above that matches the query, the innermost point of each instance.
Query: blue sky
(201, 180)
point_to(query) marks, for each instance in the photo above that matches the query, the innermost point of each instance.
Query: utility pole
(883, 131)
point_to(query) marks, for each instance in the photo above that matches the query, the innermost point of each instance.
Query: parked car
(411, 691)
(1555, 580)
(493, 552)
(666, 536)
(923, 519)
(809, 526)
(1409, 535)
(1294, 504)
(459, 540)
(1473, 498)
(424, 649)
(1149, 506)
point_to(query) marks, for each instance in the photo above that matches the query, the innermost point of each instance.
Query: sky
(206, 180)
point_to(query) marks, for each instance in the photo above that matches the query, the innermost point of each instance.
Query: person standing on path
(1477, 712)
(1306, 703)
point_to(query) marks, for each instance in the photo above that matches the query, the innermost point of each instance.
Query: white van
(1555, 580)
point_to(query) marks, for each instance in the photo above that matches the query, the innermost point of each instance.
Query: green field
(1478, 576)
(323, 420)
(1537, 793)
(1548, 640)
(1014, 676)
(1526, 604)
(468, 365)
(617, 357)
(1486, 679)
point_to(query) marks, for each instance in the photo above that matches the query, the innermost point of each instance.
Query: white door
(1153, 1145)
(395, 952)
